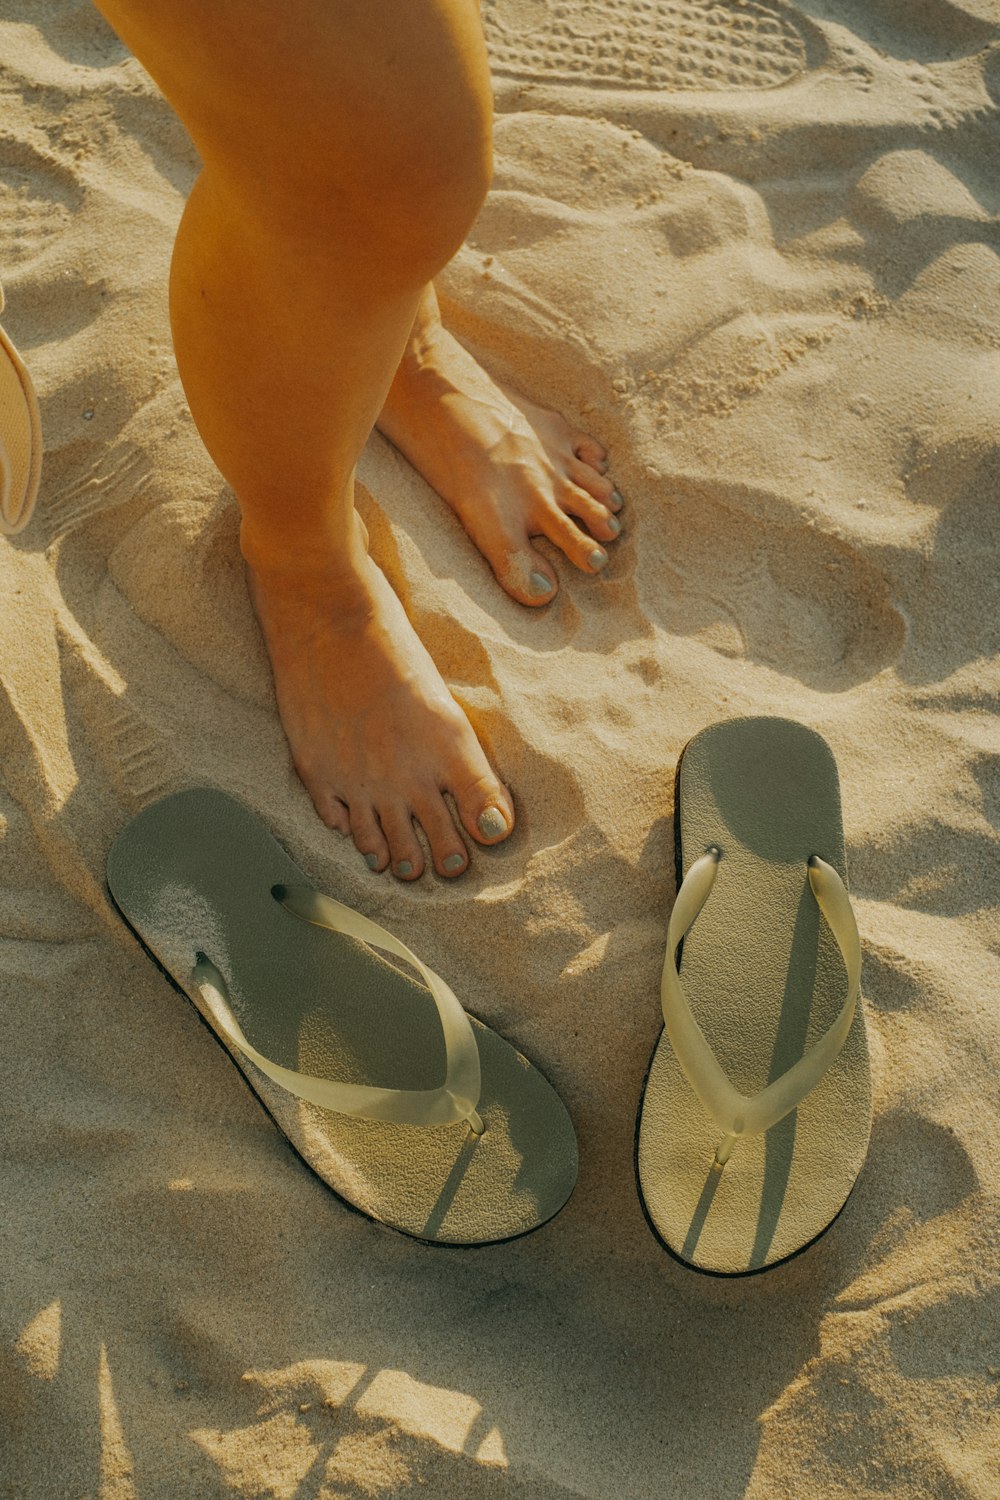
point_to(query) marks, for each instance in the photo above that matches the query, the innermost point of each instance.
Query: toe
(450, 855)
(596, 516)
(486, 809)
(368, 836)
(597, 485)
(525, 575)
(590, 450)
(333, 811)
(519, 570)
(404, 851)
(580, 548)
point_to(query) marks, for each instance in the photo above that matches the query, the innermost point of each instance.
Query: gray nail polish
(404, 867)
(492, 823)
(598, 558)
(371, 860)
(453, 862)
(619, 497)
(538, 585)
(614, 525)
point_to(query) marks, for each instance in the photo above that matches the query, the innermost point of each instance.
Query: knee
(414, 191)
(398, 158)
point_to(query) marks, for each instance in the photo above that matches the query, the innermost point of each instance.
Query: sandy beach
(754, 247)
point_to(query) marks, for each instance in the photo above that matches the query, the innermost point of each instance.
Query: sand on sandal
(753, 247)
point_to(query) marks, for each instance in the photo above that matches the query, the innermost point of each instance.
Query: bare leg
(346, 151)
(509, 469)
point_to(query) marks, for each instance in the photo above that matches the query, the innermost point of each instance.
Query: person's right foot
(374, 733)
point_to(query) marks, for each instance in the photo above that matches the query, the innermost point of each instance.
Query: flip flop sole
(193, 873)
(764, 979)
(20, 440)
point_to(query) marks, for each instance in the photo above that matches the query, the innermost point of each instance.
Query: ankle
(346, 600)
(301, 555)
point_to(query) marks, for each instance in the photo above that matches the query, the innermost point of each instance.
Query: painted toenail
(492, 823)
(539, 585)
(598, 558)
(453, 862)
(404, 867)
(618, 498)
(614, 525)
(371, 860)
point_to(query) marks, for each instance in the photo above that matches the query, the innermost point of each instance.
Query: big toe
(525, 575)
(486, 810)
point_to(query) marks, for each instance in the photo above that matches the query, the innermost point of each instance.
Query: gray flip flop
(20, 440)
(344, 1049)
(756, 1111)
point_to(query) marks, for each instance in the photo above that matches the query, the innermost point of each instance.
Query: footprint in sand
(807, 604)
(138, 761)
(915, 208)
(647, 44)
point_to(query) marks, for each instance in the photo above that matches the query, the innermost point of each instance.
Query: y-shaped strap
(457, 1097)
(737, 1114)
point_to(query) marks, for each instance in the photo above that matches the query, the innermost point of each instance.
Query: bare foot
(510, 470)
(374, 732)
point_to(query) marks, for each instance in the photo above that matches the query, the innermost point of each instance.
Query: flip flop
(343, 1048)
(20, 439)
(756, 1111)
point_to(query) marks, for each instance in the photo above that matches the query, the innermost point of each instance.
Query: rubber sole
(750, 999)
(195, 872)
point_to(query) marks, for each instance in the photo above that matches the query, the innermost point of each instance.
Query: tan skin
(304, 314)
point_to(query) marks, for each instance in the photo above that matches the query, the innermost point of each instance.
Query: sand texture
(754, 248)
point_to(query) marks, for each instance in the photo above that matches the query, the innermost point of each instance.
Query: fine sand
(754, 248)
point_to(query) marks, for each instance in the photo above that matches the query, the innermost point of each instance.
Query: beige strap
(737, 1114)
(457, 1097)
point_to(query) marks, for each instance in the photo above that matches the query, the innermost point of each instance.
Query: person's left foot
(510, 470)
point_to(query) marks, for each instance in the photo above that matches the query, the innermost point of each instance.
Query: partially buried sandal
(407, 1107)
(756, 1111)
(20, 439)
